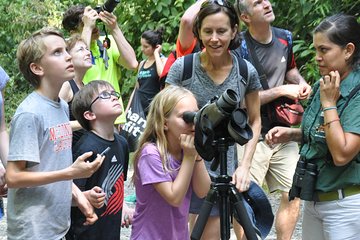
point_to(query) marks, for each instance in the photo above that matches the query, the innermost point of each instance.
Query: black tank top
(149, 85)
(76, 134)
(74, 89)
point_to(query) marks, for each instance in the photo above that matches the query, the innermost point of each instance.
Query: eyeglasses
(105, 95)
(218, 2)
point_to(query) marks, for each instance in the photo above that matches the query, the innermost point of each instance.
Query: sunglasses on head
(105, 95)
(222, 3)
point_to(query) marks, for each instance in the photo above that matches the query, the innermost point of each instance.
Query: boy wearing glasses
(40, 168)
(96, 107)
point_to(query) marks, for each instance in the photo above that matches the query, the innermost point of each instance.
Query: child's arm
(174, 192)
(127, 215)
(3, 186)
(84, 205)
(96, 196)
(201, 180)
(18, 177)
(4, 136)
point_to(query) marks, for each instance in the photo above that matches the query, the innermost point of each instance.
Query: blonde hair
(161, 108)
(31, 50)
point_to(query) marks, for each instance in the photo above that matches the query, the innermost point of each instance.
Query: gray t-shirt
(41, 135)
(204, 88)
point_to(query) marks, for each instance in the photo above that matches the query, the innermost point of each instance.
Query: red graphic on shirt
(115, 201)
(61, 136)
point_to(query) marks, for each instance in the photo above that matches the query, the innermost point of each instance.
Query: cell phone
(105, 151)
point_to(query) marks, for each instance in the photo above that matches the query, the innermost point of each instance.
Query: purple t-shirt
(154, 218)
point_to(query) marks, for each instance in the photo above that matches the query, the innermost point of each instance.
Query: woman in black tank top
(150, 69)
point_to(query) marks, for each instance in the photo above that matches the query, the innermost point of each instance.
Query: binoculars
(304, 181)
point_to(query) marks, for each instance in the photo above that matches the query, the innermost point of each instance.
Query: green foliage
(134, 17)
(22, 18)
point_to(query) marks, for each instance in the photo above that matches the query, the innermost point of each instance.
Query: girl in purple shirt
(167, 168)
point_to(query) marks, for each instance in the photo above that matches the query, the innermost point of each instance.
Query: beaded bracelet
(329, 108)
(328, 123)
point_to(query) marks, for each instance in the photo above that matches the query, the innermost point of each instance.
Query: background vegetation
(21, 17)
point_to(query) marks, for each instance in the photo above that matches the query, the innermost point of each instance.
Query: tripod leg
(237, 199)
(204, 213)
(224, 216)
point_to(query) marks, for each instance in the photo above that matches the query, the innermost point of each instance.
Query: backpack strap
(187, 67)
(101, 47)
(242, 50)
(103, 54)
(243, 70)
(256, 62)
(169, 62)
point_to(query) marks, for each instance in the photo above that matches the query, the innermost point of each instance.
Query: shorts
(274, 165)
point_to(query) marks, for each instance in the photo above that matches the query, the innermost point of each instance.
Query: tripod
(224, 191)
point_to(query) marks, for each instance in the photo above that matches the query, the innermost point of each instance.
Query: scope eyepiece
(189, 117)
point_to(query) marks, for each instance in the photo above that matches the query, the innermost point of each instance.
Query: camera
(304, 181)
(108, 6)
(220, 118)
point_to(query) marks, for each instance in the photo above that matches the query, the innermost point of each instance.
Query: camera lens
(227, 101)
(110, 5)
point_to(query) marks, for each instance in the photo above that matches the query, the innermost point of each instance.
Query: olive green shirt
(315, 149)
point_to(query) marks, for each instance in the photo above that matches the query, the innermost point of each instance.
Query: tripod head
(221, 118)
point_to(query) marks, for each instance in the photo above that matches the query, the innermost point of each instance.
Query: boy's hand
(84, 169)
(127, 216)
(96, 197)
(87, 209)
